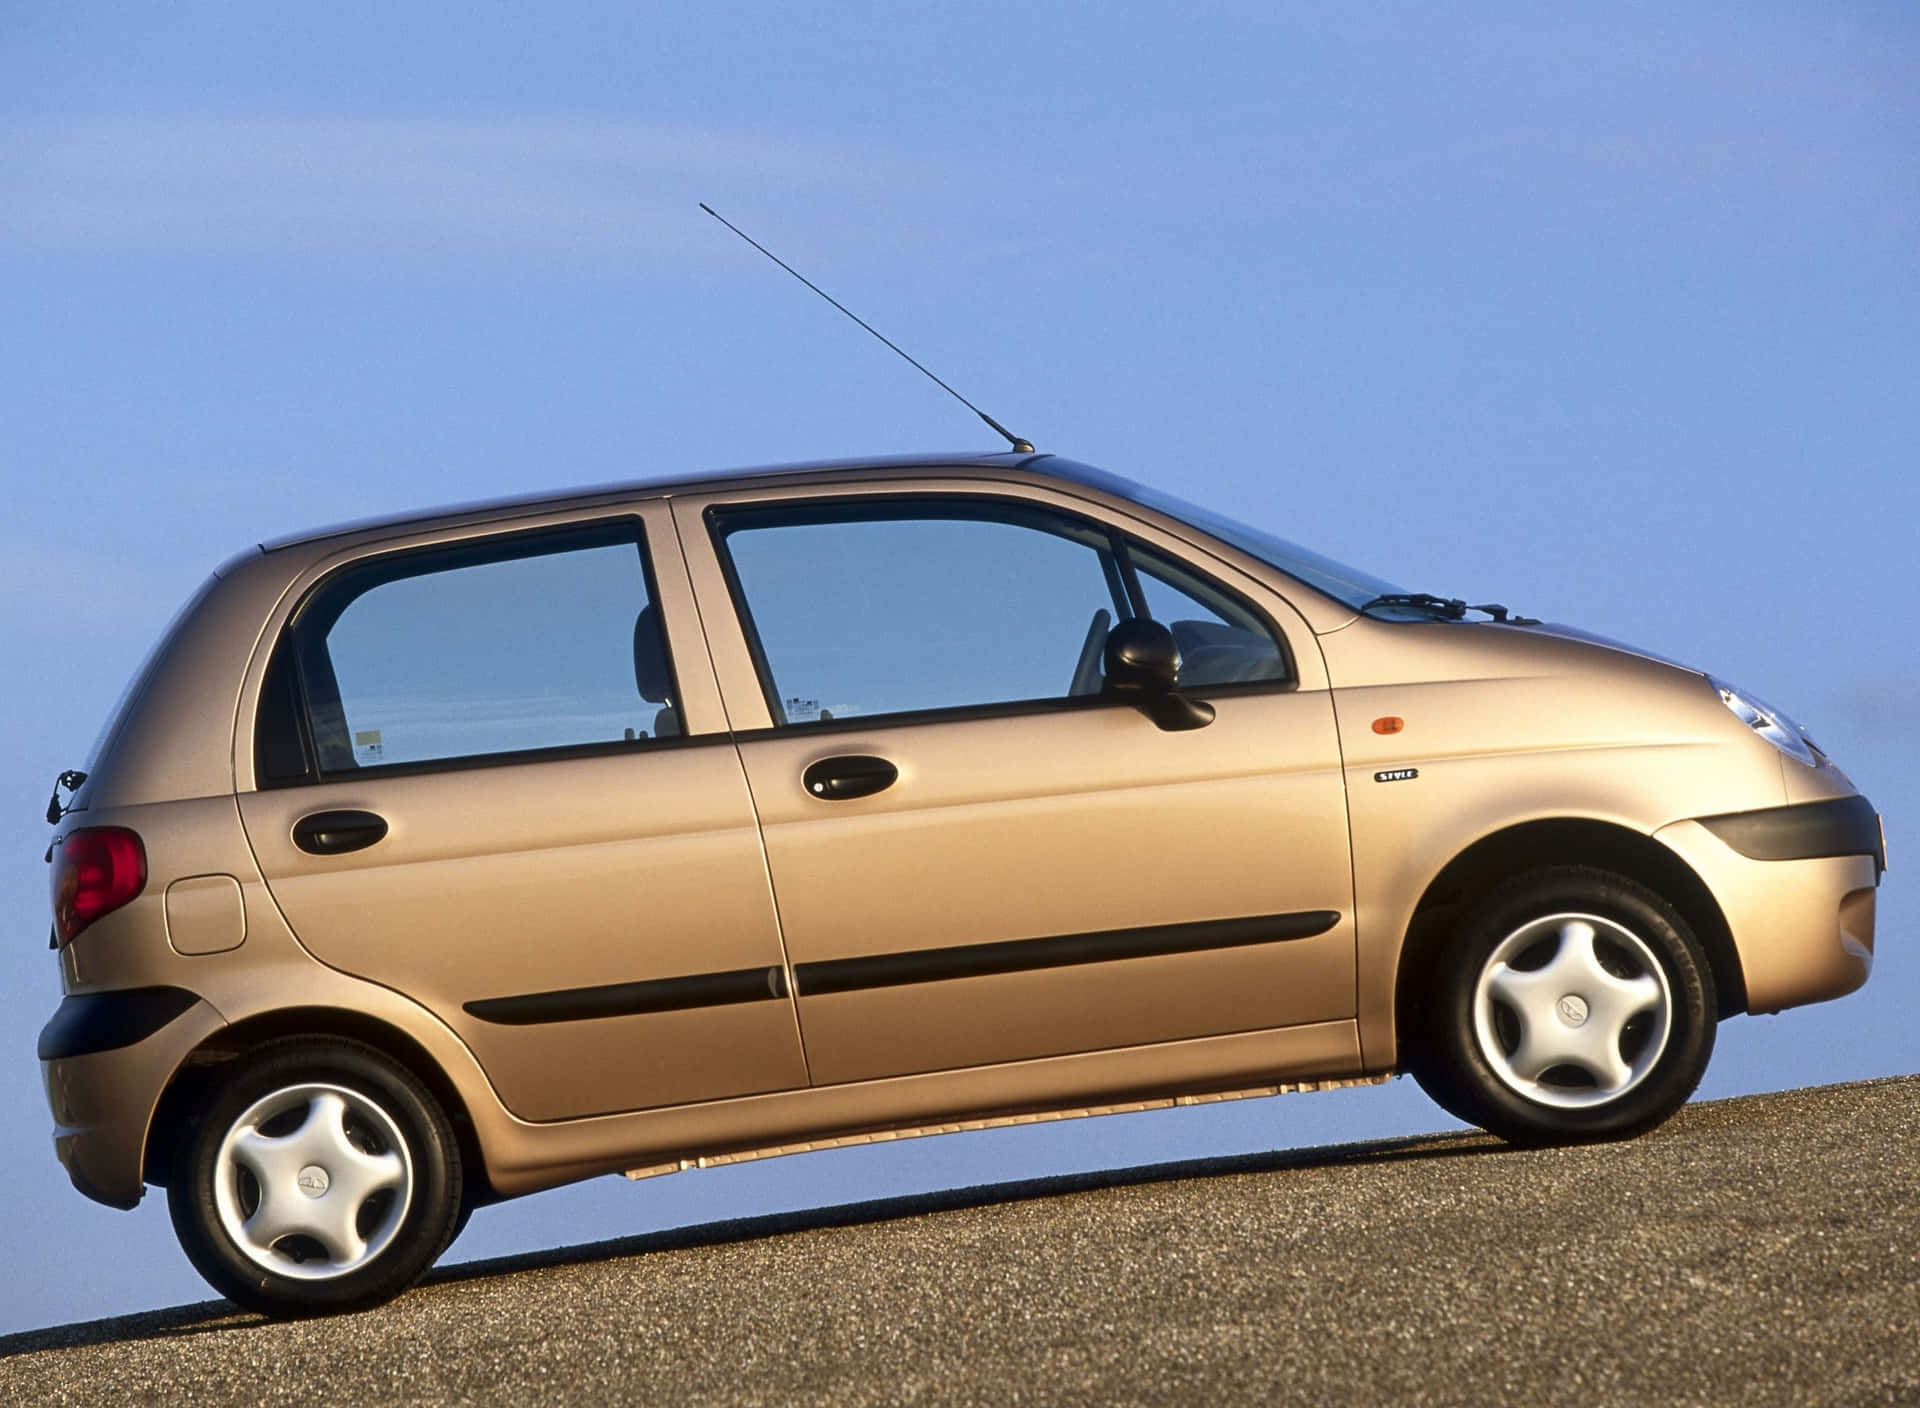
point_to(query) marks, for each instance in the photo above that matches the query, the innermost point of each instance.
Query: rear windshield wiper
(1450, 608)
(71, 780)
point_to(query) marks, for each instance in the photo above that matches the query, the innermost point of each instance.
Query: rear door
(494, 776)
(977, 857)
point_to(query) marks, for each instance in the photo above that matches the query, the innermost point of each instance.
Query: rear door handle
(853, 775)
(336, 833)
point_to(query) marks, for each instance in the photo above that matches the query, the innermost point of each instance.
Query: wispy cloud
(564, 186)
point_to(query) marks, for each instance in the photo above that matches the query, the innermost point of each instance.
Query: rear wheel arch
(1497, 858)
(322, 1176)
(202, 1072)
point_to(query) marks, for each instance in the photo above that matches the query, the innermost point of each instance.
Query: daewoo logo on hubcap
(1572, 1009)
(312, 1180)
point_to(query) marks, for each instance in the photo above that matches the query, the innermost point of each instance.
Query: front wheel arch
(1497, 858)
(1573, 1004)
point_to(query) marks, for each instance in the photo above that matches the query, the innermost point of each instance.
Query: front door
(977, 857)
(480, 787)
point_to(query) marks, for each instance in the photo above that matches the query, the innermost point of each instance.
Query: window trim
(724, 519)
(285, 688)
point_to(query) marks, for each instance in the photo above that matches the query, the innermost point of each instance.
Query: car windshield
(1343, 583)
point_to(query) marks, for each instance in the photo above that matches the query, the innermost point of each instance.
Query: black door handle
(336, 833)
(855, 775)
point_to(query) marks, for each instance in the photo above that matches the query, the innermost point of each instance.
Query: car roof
(480, 510)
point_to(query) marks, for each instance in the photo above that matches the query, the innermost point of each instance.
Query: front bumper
(1839, 826)
(1797, 887)
(106, 1058)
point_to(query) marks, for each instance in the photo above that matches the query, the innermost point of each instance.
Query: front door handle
(854, 775)
(336, 833)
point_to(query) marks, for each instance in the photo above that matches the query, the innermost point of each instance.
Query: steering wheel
(1086, 670)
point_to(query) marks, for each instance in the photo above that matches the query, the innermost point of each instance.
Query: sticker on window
(811, 711)
(367, 748)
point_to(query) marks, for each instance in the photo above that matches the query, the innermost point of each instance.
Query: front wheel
(1572, 1004)
(321, 1177)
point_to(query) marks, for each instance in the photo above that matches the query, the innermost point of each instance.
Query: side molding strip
(632, 999)
(932, 965)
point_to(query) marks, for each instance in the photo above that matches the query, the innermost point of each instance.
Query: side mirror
(1143, 667)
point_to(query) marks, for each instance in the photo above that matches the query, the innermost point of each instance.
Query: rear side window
(518, 646)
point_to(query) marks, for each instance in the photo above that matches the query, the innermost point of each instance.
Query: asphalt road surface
(1764, 1250)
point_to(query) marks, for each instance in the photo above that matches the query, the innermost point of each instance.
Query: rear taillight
(96, 870)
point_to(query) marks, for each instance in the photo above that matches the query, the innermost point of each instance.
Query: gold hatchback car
(440, 859)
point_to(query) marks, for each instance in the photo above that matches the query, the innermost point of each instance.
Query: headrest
(651, 673)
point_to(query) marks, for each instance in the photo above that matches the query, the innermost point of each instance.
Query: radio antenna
(1020, 446)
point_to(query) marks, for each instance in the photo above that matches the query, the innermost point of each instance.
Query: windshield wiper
(1450, 608)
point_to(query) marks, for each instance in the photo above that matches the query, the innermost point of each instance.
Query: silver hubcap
(312, 1181)
(1572, 1010)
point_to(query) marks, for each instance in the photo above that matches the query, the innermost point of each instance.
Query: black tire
(359, 1155)
(459, 1224)
(1497, 1042)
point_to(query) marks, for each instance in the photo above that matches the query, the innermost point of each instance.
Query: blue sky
(1611, 313)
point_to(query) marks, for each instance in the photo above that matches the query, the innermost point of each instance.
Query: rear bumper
(106, 1059)
(1797, 887)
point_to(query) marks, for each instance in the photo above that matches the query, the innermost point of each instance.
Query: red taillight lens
(98, 869)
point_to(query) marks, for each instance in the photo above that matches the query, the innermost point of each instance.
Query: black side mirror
(1143, 668)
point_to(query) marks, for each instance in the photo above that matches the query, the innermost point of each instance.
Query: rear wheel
(320, 1177)
(1572, 1004)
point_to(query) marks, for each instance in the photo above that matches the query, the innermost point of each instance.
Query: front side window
(537, 642)
(903, 606)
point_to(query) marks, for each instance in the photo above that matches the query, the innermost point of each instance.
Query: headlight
(1767, 721)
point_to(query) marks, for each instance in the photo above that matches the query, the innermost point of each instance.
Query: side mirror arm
(1176, 712)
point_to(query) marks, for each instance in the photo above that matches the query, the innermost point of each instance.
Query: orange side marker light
(1389, 723)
